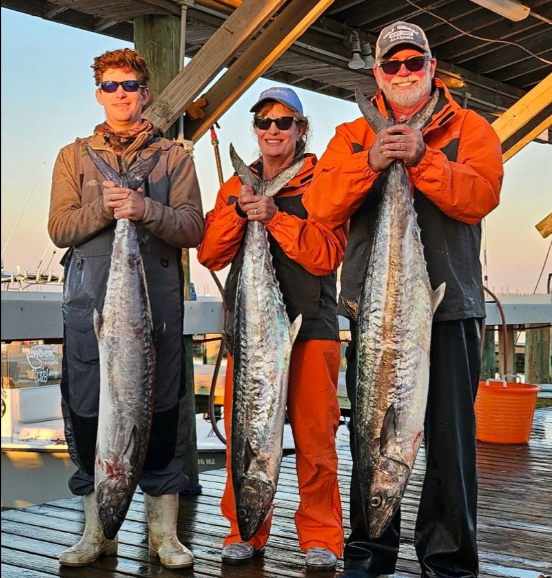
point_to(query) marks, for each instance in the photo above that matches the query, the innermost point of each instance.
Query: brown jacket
(77, 211)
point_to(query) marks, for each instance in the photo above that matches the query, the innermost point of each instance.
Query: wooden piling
(537, 355)
(157, 38)
(488, 357)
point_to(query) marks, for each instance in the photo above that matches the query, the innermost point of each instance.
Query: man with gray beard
(455, 166)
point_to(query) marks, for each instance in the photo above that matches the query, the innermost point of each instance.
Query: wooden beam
(524, 109)
(527, 133)
(279, 35)
(165, 6)
(53, 11)
(225, 6)
(545, 226)
(241, 25)
(341, 5)
(102, 24)
(536, 104)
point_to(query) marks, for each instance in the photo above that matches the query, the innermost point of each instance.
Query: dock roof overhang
(490, 63)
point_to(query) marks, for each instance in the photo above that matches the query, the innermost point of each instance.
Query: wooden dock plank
(515, 523)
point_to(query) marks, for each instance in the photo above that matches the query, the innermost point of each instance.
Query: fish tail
(422, 117)
(372, 115)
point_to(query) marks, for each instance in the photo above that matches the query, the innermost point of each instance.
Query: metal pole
(212, 416)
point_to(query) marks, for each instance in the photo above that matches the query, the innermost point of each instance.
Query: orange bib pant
(313, 412)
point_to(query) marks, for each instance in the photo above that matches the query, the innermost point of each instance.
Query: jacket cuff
(417, 172)
(104, 211)
(367, 167)
(147, 216)
(278, 219)
(241, 214)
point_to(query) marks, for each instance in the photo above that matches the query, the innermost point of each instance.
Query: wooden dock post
(537, 355)
(507, 367)
(488, 357)
(157, 38)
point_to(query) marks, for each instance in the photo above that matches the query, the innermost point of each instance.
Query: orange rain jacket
(306, 256)
(457, 183)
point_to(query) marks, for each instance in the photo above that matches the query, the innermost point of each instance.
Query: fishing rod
(223, 345)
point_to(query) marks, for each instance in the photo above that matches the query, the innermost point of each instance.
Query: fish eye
(375, 502)
(242, 513)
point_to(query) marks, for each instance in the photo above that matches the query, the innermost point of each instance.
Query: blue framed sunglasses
(128, 85)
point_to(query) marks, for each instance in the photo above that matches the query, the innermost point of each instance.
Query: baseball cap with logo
(401, 33)
(284, 96)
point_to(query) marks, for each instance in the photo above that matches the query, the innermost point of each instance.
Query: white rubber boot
(93, 542)
(162, 514)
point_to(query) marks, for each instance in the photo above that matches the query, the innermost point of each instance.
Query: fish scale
(395, 315)
(124, 332)
(263, 340)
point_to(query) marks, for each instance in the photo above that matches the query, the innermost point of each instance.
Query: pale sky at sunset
(48, 100)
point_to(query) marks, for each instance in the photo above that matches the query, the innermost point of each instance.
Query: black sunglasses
(128, 85)
(282, 123)
(393, 66)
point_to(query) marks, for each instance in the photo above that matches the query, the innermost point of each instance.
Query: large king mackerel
(127, 364)
(263, 339)
(394, 334)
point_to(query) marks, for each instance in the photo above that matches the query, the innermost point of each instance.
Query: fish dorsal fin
(139, 174)
(107, 171)
(249, 456)
(132, 447)
(422, 117)
(98, 324)
(277, 183)
(351, 307)
(388, 432)
(437, 296)
(159, 335)
(372, 115)
(244, 173)
(295, 327)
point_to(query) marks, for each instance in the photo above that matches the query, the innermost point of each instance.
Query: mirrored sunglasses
(128, 85)
(393, 66)
(282, 123)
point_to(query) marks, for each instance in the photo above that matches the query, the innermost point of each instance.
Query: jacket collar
(445, 109)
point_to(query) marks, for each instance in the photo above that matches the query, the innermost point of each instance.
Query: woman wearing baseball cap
(305, 263)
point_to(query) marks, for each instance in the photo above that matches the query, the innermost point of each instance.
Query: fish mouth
(379, 515)
(386, 490)
(253, 506)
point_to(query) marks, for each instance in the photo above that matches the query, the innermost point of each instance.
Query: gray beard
(413, 96)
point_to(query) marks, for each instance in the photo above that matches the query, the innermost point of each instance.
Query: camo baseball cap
(283, 95)
(401, 33)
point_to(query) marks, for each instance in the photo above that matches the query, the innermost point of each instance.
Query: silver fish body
(263, 340)
(393, 345)
(127, 367)
(124, 332)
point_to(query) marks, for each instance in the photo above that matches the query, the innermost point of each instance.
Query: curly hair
(125, 59)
